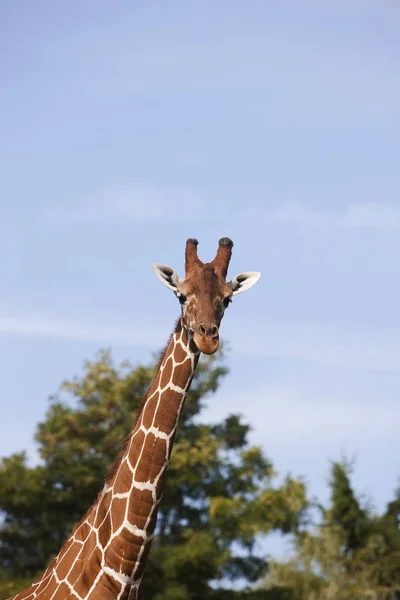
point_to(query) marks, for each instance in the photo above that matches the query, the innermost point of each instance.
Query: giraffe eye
(182, 299)
(226, 301)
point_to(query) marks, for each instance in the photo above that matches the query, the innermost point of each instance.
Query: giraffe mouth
(206, 344)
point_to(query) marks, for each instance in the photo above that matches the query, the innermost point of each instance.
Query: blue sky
(129, 127)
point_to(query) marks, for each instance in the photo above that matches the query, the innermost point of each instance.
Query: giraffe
(105, 556)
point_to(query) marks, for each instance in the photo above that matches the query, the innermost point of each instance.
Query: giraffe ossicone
(105, 556)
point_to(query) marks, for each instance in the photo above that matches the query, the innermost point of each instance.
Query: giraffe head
(204, 293)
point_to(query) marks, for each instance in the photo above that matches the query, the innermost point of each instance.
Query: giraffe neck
(106, 554)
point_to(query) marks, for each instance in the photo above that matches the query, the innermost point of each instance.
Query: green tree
(218, 498)
(346, 511)
(381, 554)
(352, 554)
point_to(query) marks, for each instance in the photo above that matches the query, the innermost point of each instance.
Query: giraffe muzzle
(206, 338)
(208, 330)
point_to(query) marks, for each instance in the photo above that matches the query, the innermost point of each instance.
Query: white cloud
(131, 202)
(323, 344)
(327, 345)
(300, 214)
(334, 75)
(356, 216)
(372, 214)
(295, 414)
(80, 332)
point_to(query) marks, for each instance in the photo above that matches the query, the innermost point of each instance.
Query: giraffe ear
(244, 281)
(167, 276)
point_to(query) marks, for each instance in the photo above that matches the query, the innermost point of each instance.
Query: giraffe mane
(117, 462)
(114, 467)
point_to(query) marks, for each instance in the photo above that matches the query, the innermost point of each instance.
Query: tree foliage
(353, 554)
(217, 500)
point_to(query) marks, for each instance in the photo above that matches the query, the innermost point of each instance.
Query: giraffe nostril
(214, 330)
(205, 329)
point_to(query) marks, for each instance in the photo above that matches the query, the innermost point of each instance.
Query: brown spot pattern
(105, 530)
(165, 419)
(155, 451)
(118, 508)
(95, 541)
(166, 374)
(139, 510)
(149, 409)
(179, 354)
